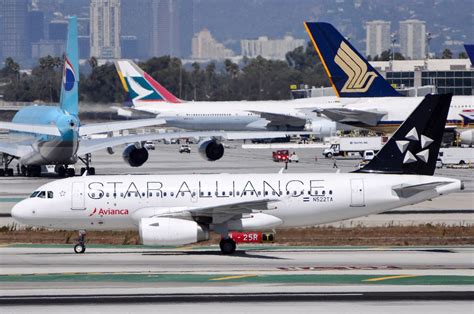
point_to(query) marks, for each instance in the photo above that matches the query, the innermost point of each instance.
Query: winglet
(350, 74)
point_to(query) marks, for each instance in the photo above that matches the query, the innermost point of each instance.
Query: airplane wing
(347, 115)
(14, 149)
(219, 214)
(406, 191)
(91, 145)
(95, 128)
(31, 128)
(280, 119)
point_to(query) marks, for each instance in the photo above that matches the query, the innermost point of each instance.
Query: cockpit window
(34, 194)
(50, 194)
(42, 194)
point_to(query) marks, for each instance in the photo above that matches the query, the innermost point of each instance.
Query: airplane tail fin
(414, 147)
(350, 73)
(140, 86)
(470, 52)
(69, 100)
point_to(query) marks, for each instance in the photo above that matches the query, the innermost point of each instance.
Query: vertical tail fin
(140, 86)
(414, 147)
(69, 88)
(349, 72)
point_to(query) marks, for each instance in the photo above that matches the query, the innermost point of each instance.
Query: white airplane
(147, 95)
(366, 99)
(183, 209)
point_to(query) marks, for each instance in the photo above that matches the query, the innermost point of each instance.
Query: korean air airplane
(366, 99)
(183, 209)
(147, 95)
(53, 135)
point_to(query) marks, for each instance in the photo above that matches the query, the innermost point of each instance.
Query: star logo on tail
(412, 136)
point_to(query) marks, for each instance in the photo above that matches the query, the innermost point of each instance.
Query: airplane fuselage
(120, 202)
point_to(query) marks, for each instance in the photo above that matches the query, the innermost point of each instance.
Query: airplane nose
(20, 212)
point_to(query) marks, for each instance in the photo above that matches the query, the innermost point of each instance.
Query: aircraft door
(357, 193)
(78, 200)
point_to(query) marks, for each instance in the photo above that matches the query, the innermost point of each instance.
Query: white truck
(456, 156)
(353, 146)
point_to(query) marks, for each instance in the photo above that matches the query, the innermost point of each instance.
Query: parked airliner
(183, 209)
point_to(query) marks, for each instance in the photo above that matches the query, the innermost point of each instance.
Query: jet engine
(211, 149)
(467, 137)
(134, 156)
(321, 127)
(171, 231)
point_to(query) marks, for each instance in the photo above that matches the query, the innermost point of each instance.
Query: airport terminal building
(415, 77)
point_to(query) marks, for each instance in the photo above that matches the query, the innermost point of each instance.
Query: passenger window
(182, 193)
(208, 193)
(171, 194)
(238, 193)
(107, 194)
(164, 194)
(223, 193)
(230, 193)
(50, 194)
(42, 194)
(121, 194)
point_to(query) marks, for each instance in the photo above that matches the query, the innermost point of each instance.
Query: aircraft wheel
(227, 246)
(79, 248)
(10, 172)
(71, 172)
(61, 171)
(91, 171)
(2, 172)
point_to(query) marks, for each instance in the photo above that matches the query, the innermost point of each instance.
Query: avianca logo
(109, 212)
(359, 79)
(69, 75)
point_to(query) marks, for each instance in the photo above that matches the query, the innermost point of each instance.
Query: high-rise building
(129, 46)
(413, 39)
(35, 25)
(15, 39)
(136, 20)
(377, 37)
(105, 29)
(204, 46)
(57, 30)
(270, 48)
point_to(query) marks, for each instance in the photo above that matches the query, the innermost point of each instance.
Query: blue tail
(69, 101)
(470, 52)
(349, 72)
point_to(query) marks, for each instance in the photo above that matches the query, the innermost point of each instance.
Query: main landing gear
(227, 246)
(6, 160)
(64, 171)
(87, 161)
(80, 246)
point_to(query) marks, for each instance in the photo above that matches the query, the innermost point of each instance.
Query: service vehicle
(185, 149)
(281, 155)
(456, 155)
(353, 146)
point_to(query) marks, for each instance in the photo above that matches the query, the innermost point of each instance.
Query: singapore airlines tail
(414, 147)
(349, 72)
(140, 86)
(69, 100)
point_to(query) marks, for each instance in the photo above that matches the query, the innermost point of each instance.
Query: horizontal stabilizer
(31, 128)
(344, 115)
(406, 191)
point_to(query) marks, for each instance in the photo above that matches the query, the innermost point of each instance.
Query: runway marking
(390, 277)
(232, 277)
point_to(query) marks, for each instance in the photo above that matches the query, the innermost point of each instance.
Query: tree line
(252, 79)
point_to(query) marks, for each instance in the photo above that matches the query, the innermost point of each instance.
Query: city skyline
(33, 29)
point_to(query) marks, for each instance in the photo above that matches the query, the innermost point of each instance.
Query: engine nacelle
(467, 137)
(321, 127)
(134, 156)
(171, 231)
(211, 149)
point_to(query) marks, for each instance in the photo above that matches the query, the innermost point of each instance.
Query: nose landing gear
(80, 246)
